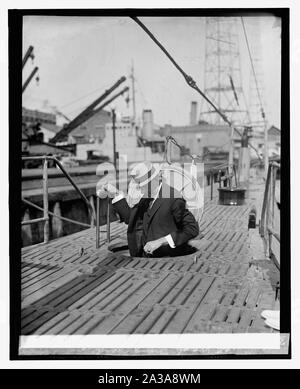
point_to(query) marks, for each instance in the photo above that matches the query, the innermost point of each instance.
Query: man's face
(149, 189)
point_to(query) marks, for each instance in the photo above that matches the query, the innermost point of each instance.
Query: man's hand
(154, 245)
(107, 190)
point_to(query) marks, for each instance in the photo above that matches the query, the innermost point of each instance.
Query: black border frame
(15, 118)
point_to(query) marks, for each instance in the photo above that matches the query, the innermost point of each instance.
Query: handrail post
(235, 176)
(211, 184)
(97, 222)
(108, 220)
(268, 212)
(263, 227)
(45, 200)
(270, 224)
(273, 192)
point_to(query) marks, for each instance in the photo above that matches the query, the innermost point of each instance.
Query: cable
(82, 97)
(187, 78)
(253, 70)
(190, 80)
(53, 214)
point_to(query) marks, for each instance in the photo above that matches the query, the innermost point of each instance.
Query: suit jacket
(166, 216)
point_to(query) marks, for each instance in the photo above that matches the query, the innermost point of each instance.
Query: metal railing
(45, 208)
(266, 226)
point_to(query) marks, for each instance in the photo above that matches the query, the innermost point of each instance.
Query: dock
(69, 287)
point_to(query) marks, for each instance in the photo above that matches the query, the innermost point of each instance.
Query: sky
(80, 57)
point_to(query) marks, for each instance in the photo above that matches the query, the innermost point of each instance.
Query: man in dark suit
(159, 224)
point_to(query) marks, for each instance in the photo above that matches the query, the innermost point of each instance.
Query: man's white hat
(144, 172)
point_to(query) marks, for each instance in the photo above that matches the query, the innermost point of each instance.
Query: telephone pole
(133, 93)
(115, 153)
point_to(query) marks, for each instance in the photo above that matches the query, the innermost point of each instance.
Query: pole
(97, 222)
(231, 148)
(219, 69)
(45, 201)
(29, 53)
(115, 165)
(266, 149)
(133, 94)
(108, 220)
(29, 78)
(114, 138)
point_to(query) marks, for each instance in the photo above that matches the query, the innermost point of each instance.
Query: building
(30, 116)
(274, 142)
(92, 130)
(127, 143)
(200, 138)
(48, 130)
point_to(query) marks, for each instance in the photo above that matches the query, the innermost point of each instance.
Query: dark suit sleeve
(123, 209)
(187, 226)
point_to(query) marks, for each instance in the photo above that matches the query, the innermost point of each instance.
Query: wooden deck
(69, 287)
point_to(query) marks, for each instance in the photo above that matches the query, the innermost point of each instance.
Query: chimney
(147, 124)
(193, 114)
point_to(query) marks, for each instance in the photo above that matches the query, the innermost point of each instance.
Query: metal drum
(231, 196)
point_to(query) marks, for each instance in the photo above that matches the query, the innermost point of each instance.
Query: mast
(133, 93)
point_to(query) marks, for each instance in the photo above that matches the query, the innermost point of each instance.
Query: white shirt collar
(157, 192)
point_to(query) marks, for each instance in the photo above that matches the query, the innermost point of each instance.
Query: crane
(85, 114)
(28, 54)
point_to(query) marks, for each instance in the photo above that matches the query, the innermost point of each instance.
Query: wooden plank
(234, 315)
(91, 296)
(38, 278)
(44, 329)
(241, 297)
(244, 323)
(200, 320)
(221, 314)
(41, 293)
(228, 298)
(203, 292)
(180, 320)
(137, 295)
(42, 318)
(58, 327)
(35, 271)
(57, 277)
(78, 323)
(164, 319)
(186, 293)
(90, 325)
(176, 290)
(138, 323)
(114, 300)
(106, 295)
(158, 294)
(253, 297)
(72, 294)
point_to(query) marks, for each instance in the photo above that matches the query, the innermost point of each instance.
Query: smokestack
(193, 114)
(147, 124)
